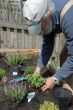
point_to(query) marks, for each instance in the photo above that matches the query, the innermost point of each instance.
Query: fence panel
(13, 31)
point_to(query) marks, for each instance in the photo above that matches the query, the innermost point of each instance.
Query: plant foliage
(2, 73)
(55, 65)
(15, 92)
(30, 70)
(47, 105)
(35, 80)
(16, 59)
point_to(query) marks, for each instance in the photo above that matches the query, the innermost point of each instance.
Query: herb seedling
(35, 80)
(47, 105)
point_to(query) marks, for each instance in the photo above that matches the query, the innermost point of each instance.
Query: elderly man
(46, 17)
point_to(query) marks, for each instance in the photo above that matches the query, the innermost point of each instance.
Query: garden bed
(34, 104)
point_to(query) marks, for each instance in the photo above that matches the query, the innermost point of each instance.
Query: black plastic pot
(15, 70)
(63, 97)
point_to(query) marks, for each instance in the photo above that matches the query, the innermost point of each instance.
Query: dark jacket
(48, 41)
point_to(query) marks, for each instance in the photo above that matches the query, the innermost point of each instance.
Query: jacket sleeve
(47, 49)
(67, 26)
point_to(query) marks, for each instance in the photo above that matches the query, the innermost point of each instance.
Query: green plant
(47, 105)
(35, 80)
(2, 73)
(14, 92)
(55, 65)
(16, 59)
(30, 70)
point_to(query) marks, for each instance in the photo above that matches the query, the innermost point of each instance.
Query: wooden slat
(19, 37)
(15, 38)
(14, 25)
(8, 38)
(30, 42)
(26, 42)
(24, 51)
(22, 39)
(2, 40)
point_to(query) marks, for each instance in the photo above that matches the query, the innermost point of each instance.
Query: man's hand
(49, 84)
(37, 70)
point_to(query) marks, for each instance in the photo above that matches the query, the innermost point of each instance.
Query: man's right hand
(37, 70)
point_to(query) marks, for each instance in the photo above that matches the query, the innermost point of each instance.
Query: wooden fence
(11, 10)
(13, 31)
(18, 38)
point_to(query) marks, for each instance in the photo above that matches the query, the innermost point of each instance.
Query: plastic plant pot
(14, 70)
(63, 97)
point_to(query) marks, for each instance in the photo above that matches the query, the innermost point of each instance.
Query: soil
(39, 98)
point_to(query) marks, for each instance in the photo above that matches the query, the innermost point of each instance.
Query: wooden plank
(1, 34)
(8, 38)
(19, 39)
(12, 25)
(30, 42)
(37, 41)
(5, 37)
(21, 51)
(12, 37)
(26, 41)
(15, 38)
(22, 39)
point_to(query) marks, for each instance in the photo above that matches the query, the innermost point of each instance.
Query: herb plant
(14, 92)
(47, 105)
(16, 59)
(30, 70)
(2, 73)
(35, 80)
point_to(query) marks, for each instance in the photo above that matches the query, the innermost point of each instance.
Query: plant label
(15, 73)
(30, 96)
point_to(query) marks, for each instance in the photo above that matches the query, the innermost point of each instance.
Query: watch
(55, 80)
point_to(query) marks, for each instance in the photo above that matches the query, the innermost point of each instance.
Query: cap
(33, 11)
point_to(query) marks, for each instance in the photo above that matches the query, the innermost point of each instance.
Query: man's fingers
(45, 87)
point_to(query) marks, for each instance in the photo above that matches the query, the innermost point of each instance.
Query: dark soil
(40, 96)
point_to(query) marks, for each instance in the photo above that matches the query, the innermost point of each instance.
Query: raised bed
(40, 97)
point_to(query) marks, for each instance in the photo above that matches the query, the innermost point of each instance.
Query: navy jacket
(48, 41)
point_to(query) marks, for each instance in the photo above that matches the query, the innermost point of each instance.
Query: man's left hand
(49, 84)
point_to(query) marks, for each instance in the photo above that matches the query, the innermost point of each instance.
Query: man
(43, 16)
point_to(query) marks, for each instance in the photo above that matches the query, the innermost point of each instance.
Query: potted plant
(15, 61)
(2, 73)
(47, 105)
(35, 80)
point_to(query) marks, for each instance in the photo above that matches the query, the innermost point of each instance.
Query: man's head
(34, 11)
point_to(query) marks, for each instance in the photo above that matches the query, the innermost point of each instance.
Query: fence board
(15, 38)
(22, 39)
(12, 38)
(13, 31)
(30, 42)
(26, 39)
(8, 38)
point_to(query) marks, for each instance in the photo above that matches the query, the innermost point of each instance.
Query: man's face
(46, 23)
